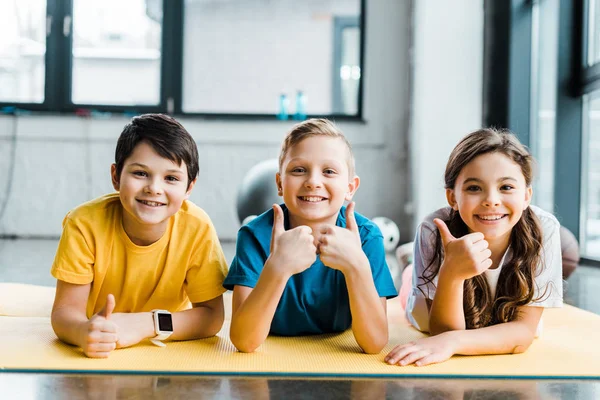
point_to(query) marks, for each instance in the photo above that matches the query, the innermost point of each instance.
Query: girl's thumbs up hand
(464, 257)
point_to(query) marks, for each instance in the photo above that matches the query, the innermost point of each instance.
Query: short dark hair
(166, 136)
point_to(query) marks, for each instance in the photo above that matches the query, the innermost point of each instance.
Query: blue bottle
(284, 104)
(300, 114)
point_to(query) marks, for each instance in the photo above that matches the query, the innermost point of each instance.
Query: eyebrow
(302, 160)
(146, 167)
(477, 180)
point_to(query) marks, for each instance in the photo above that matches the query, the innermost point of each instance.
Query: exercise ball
(258, 190)
(390, 232)
(569, 248)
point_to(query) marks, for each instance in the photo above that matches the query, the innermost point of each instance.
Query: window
(544, 54)
(590, 241)
(22, 51)
(241, 56)
(116, 52)
(194, 57)
(593, 33)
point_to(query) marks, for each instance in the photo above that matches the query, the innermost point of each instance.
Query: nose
(492, 199)
(313, 181)
(154, 187)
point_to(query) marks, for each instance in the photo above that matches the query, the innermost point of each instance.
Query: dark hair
(166, 136)
(516, 281)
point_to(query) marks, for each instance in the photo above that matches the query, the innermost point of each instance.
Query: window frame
(58, 73)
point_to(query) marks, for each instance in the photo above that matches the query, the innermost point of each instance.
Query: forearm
(447, 313)
(505, 338)
(69, 324)
(197, 323)
(369, 321)
(251, 322)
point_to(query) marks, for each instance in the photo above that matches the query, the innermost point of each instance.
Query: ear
(278, 183)
(189, 191)
(451, 198)
(528, 196)
(114, 177)
(352, 187)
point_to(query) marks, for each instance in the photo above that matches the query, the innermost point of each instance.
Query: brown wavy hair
(516, 282)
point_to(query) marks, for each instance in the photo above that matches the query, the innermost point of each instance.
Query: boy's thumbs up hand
(292, 251)
(278, 224)
(100, 333)
(464, 257)
(109, 307)
(351, 219)
(341, 248)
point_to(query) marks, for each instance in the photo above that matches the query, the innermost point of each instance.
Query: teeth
(490, 217)
(311, 198)
(151, 203)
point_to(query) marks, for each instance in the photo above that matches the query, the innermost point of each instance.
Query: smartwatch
(163, 326)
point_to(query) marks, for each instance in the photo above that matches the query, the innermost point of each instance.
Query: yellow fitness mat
(568, 348)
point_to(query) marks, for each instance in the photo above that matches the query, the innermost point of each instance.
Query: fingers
(444, 231)
(350, 218)
(411, 353)
(474, 237)
(108, 307)
(399, 352)
(278, 224)
(100, 344)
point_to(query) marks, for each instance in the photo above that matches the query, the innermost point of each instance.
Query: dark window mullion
(171, 57)
(569, 108)
(52, 57)
(507, 66)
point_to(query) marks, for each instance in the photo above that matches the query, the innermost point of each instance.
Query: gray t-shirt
(548, 280)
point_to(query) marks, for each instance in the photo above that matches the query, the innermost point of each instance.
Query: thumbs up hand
(100, 333)
(292, 251)
(340, 248)
(464, 257)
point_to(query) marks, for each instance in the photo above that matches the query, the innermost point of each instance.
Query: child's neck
(143, 235)
(313, 224)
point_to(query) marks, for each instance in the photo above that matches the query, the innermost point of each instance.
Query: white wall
(447, 91)
(62, 161)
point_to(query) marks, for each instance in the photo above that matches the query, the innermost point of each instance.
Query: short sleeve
(204, 279)
(375, 252)
(74, 260)
(248, 262)
(548, 290)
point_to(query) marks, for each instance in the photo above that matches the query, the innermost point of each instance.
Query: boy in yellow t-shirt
(127, 260)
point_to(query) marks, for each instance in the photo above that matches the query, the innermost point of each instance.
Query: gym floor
(29, 261)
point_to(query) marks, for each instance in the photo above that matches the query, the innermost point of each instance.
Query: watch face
(165, 322)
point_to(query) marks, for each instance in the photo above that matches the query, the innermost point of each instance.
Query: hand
(100, 333)
(292, 251)
(464, 257)
(429, 350)
(339, 247)
(133, 328)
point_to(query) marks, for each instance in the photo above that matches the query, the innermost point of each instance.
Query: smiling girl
(486, 266)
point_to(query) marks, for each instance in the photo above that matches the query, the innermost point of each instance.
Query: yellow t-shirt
(185, 264)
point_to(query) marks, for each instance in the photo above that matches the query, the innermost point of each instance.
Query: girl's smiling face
(490, 194)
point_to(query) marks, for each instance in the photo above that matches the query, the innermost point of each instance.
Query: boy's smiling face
(315, 180)
(152, 188)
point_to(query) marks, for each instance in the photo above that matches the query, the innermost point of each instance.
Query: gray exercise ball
(258, 191)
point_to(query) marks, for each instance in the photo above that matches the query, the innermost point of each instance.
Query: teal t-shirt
(315, 300)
